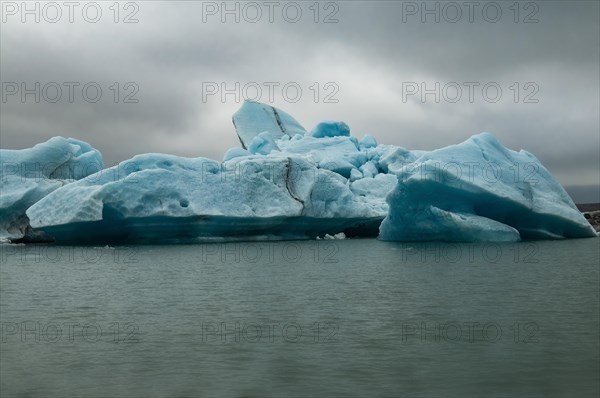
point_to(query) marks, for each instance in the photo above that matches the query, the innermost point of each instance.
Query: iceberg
(173, 199)
(330, 129)
(254, 118)
(288, 183)
(480, 191)
(30, 174)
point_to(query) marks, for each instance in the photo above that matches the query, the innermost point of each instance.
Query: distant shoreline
(588, 207)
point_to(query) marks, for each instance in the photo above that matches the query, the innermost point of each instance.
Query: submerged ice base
(288, 183)
(207, 229)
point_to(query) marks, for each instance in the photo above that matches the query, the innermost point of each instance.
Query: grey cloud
(368, 54)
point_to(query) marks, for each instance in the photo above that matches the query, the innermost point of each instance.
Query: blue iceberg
(480, 191)
(30, 174)
(254, 118)
(166, 198)
(287, 183)
(330, 129)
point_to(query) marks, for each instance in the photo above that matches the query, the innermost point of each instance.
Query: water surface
(343, 318)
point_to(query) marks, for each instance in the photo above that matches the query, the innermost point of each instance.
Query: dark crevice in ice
(279, 122)
(288, 168)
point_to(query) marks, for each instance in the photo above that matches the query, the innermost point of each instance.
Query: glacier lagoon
(335, 318)
(285, 182)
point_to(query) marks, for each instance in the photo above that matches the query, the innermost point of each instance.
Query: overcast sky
(366, 66)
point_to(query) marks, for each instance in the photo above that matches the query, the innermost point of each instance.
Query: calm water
(314, 318)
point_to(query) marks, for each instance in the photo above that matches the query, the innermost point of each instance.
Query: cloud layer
(360, 67)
